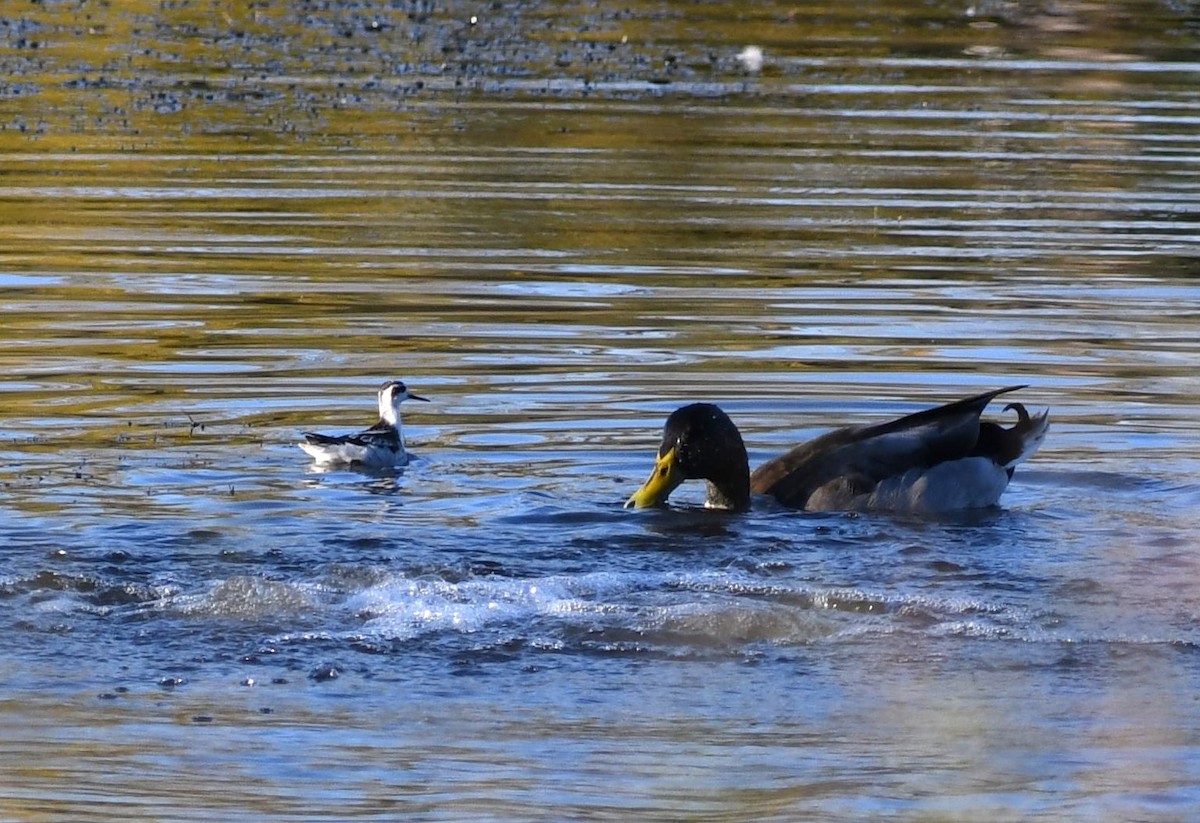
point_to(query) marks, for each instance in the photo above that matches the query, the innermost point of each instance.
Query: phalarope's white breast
(379, 447)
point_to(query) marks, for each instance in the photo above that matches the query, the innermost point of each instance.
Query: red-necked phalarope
(379, 447)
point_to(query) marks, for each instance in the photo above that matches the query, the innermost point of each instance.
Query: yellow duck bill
(665, 478)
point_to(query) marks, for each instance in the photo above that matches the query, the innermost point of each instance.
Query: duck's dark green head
(699, 442)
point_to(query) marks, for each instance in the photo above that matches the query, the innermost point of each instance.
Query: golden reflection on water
(222, 225)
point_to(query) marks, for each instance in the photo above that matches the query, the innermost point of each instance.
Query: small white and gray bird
(379, 447)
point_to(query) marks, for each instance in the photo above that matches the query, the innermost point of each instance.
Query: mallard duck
(938, 460)
(379, 447)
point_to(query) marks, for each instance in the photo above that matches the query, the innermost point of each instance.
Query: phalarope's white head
(381, 446)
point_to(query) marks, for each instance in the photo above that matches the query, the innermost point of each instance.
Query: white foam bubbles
(404, 607)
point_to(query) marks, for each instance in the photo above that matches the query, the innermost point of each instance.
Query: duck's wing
(858, 458)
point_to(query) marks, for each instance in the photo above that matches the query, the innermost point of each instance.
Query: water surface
(221, 228)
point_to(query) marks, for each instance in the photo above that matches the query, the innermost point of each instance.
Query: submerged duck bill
(663, 480)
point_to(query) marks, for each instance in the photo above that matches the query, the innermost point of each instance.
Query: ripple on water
(565, 237)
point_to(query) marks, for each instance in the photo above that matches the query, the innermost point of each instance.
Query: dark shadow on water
(687, 522)
(383, 481)
(1093, 479)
